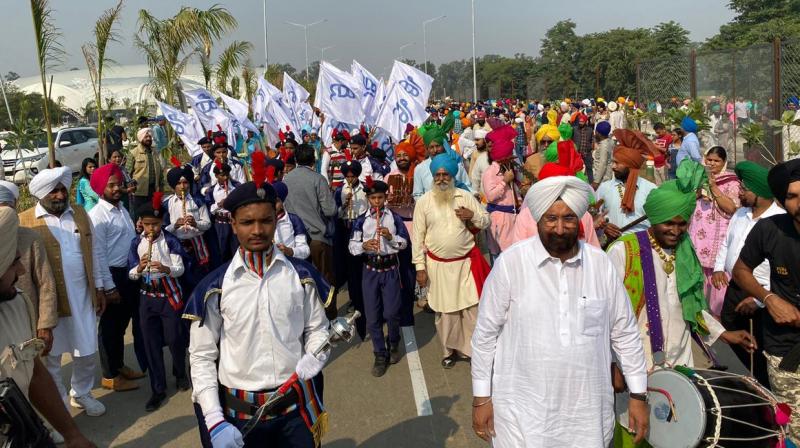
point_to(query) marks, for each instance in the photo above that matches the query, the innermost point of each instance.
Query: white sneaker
(56, 436)
(89, 404)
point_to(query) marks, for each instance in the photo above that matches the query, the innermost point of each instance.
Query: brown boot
(119, 384)
(130, 374)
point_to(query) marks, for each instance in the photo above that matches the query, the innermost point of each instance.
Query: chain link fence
(743, 93)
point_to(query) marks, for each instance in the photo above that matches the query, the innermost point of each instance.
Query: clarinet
(150, 237)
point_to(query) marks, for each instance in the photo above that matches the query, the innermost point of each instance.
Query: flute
(150, 238)
(183, 209)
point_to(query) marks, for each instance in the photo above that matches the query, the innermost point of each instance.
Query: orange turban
(411, 151)
(630, 152)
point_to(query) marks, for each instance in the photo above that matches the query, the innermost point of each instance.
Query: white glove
(223, 434)
(308, 367)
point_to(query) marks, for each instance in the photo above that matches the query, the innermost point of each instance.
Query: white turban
(586, 102)
(9, 223)
(142, 132)
(9, 193)
(612, 106)
(47, 180)
(573, 191)
(480, 133)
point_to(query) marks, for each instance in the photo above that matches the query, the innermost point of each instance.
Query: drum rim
(695, 392)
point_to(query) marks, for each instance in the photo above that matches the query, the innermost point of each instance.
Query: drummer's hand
(483, 418)
(638, 419)
(719, 279)
(747, 306)
(741, 338)
(612, 232)
(782, 311)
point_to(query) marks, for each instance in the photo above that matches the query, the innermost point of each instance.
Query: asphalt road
(431, 410)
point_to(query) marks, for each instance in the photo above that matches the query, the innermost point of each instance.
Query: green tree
(48, 53)
(228, 63)
(559, 54)
(96, 60)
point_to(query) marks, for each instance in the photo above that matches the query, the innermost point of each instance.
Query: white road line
(421, 397)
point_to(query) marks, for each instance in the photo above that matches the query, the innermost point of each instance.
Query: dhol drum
(707, 408)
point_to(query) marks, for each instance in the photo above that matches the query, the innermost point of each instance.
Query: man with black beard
(552, 311)
(19, 358)
(113, 234)
(79, 269)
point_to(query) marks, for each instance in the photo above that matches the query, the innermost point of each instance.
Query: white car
(72, 145)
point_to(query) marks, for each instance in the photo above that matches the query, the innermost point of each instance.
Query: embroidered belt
(242, 404)
(380, 263)
(500, 208)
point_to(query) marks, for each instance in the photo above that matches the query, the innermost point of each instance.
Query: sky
(370, 31)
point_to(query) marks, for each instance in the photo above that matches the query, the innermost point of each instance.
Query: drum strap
(651, 295)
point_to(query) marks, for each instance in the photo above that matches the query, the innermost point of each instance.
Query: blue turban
(688, 124)
(448, 160)
(603, 128)
(281, 190)
(794, 100)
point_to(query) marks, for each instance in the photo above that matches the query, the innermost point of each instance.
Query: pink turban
(502, 140)
(101, 175)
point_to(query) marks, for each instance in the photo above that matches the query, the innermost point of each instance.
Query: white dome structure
(119, 81)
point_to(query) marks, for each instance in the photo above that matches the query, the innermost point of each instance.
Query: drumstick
(751, 353)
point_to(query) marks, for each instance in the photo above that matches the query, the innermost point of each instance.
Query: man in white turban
(145, 168)
(479, 159)
(552, 310)
(80, 275)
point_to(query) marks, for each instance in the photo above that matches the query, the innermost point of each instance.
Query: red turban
(411, 151)
(101, 175)
(502, 140)
(554, 169)
(630, 152)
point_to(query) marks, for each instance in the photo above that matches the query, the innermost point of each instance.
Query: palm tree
(205, 66)
(96, 60)
(168, 44)
(249, 80)
(48, 53)
(228, 62)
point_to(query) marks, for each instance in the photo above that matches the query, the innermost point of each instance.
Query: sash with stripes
(164, 287)
(198, 248)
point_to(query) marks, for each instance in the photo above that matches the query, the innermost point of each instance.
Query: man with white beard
(446, 257)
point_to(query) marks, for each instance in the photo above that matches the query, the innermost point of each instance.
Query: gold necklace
(621, 192)
(669, 260)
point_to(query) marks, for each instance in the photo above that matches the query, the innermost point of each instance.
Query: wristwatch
(640, 397)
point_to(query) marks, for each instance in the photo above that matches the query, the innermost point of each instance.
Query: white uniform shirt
(542, 347)
(160, 253)
(76, 334)
(200, 214)
(219, 194)
(284, 234)
(17, 352)
(237, 173)
(677, 337)
(739, 227)
(113, 232)
(366, 170)
(258, 330)
(359, 201)
(368, 232)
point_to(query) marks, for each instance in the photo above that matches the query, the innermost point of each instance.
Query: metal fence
(749, 85)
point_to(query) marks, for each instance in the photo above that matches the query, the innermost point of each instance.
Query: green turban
(565, 130)
(754, 177)
(664, 203)
(551, 153)
(433, 134)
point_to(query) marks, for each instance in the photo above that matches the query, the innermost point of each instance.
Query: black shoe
(155, 402)
(184, 384)
(380, 366)
(449, 362)
(394, 353)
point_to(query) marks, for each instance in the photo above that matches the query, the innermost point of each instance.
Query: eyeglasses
(569, 221)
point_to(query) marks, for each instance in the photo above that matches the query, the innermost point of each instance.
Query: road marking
(421, 397)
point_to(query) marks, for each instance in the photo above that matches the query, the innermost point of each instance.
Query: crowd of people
(564, 255)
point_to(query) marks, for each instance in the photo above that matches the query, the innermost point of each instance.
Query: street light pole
(474, 68)
(322, 50)
(5, 100)
(425, 38)
(305, 34)
(404, 46)
(266, 45)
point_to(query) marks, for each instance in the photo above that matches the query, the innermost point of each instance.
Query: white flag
(208, 111)
(239, 111)
(336, 95)
(400, 109)
(384, 141)
(305, 115)
(293, 91)
(186, 127)
(368, 91)
(260, 101)
(326, 130)
(414, 82)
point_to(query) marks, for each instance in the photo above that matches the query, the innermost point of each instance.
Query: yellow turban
(552, 117)
(547, 130)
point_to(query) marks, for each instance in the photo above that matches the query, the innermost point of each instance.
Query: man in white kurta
(443, 252)
(76, 333)
(547, 324)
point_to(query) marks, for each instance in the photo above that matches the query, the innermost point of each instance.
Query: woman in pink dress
(715, 206)
(500, 186)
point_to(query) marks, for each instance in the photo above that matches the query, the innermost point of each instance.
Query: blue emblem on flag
(205, 104)
(370, 88)
(403, 112)
(341, 91)
(177, 123)
(411, 87)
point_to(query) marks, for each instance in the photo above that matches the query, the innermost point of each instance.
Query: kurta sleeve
(100, 272)
(722, 253)
(100, 241)
(45, 282)
(203, 356)
(625, 339)
(300, 248)
(494, 187)
(418, 236)
(492, 316)
(176, 267)
(203, 218)
(480, 218)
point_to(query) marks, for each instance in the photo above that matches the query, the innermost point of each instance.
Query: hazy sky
(370, 31)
